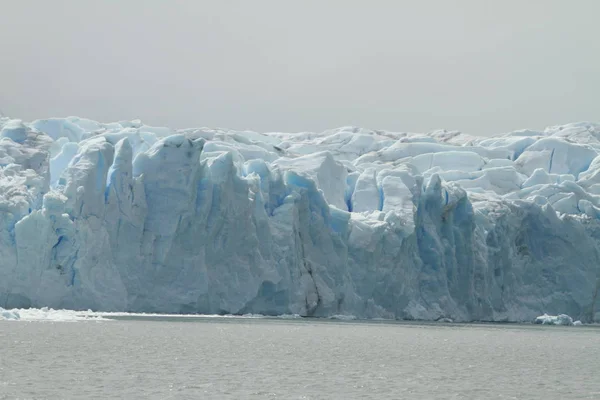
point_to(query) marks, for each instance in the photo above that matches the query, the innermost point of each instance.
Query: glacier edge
(127, 217)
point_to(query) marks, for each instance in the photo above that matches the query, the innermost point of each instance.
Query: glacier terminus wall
(374, 224)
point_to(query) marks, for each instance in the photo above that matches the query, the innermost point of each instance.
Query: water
(234, 358)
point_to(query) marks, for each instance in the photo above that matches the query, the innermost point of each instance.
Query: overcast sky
(482, 67)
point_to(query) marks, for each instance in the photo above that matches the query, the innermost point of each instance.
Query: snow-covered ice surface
(347, 222)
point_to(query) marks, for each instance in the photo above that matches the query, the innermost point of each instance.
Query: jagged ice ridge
(350, 221)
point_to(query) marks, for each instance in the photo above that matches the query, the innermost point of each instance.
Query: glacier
(349, 222)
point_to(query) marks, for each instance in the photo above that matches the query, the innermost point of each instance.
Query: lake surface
(246, 358)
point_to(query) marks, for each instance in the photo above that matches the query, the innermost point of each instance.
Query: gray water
(233, 358)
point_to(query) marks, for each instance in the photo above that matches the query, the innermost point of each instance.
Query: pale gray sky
(483, 67)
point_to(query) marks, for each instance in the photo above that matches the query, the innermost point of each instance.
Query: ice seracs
(348, 222)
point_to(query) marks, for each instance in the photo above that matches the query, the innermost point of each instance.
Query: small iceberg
(561, 319)
(343, 317)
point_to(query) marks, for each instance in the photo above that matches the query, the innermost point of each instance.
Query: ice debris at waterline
(9, 315)
(48, 314)
(374, 224)
(561, 319)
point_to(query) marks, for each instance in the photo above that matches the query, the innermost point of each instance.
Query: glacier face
(375, 224)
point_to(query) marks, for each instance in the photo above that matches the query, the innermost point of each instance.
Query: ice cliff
(128, 217)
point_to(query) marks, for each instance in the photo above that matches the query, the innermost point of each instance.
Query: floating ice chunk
(343, 317)
(561, 319)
